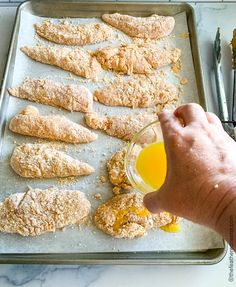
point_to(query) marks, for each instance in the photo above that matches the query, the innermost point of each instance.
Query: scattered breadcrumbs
(161, 73)
(89, 220)
(102, 179)
(176, 67)
(53, 145)
(166, 44)
(180, 88)
(183, 81)
(67, 180)
(98, 196)
(70, 77)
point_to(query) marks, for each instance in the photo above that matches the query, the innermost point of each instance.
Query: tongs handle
(234, 98)
(223, 109)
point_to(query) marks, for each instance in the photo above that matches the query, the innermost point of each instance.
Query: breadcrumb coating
(54, 127)
(68, 34)
(48, 92)
(162, 219)
(78, 61)
(152, 27)
(123, 127)
(116, 171)
(39, 211)
(124, 216)
(136, 59)
(141, 92)
(42, 161)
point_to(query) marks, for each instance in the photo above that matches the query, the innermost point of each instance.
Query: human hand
(201, 168)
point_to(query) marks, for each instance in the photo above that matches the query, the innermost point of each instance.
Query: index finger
(191, 113)
(169, 121)
(170, 125)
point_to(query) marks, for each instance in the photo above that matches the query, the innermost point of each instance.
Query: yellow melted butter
(121, 214)
(171, 227)
(151, 165)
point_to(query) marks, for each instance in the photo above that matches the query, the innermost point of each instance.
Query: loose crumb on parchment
(98, 196)
(183, 81)
(176, 67)
(102, 179)
(68, 181)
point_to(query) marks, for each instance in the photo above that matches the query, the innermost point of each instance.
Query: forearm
(224, 211)
(217, 207)
(226, 223)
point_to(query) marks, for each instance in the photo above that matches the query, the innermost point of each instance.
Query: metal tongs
(220, 90)
(233, 43)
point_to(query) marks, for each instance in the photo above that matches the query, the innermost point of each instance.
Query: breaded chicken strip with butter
(39, 211)
(124, 216)
(54, 127)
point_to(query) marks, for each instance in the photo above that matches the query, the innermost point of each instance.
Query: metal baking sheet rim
(211, 256)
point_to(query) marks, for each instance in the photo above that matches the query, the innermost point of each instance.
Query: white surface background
(209, 17)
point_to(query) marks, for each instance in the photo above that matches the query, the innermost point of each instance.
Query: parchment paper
(88, 238)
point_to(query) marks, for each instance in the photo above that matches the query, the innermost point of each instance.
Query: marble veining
(42, 275)
(114, 276)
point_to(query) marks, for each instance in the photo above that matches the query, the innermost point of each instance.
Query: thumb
(152, 201)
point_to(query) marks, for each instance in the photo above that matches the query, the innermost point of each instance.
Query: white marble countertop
(209, 17)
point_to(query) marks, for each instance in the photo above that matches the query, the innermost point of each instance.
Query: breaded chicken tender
(68, 34)
(48, 92)
(77, 61)
(124, 216)
(54, 127)
(39, 211)
(43, 161)
(152, 27)
(136, 59)
(141, 92)
(116, 172)
(123, 126)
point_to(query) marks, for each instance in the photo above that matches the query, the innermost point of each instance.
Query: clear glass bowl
(150, 134)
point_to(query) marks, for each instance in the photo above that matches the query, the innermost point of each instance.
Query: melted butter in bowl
(151, 164)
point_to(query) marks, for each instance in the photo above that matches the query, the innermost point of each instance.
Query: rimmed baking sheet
(88, 239)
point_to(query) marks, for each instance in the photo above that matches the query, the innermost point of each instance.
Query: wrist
(214, 198)
(223, 211)
(226, 222)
